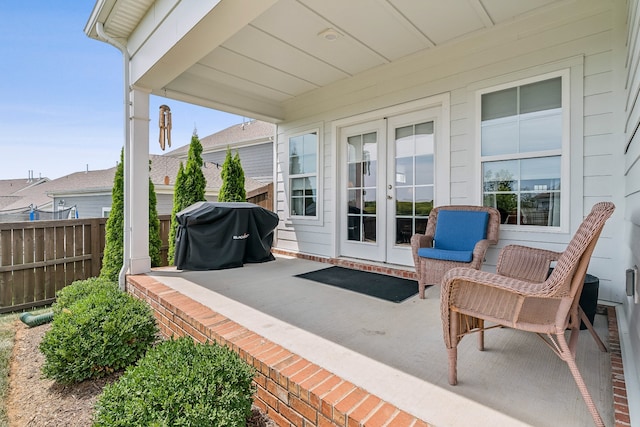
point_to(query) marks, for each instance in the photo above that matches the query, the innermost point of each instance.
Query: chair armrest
(421, 241)
(494, 280)
(522, 262)
(480, 249)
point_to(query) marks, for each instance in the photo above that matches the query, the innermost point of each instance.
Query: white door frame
(443, 167)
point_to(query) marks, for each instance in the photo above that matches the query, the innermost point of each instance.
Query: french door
(387, 189)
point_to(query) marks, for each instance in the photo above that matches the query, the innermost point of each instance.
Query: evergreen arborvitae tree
(195, 182)
(178, 191)
(155, 241)
(232, 189)
(189, 189)
(114, 229)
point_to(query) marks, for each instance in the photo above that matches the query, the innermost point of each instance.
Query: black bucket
(589, 298)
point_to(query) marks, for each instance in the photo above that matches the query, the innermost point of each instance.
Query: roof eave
(100, 12)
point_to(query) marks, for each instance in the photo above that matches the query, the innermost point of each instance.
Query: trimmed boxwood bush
(180, 383)
(97, 334)
(81, 289)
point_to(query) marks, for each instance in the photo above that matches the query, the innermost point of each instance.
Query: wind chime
(165, 126)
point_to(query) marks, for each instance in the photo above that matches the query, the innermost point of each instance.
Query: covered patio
(327, 356)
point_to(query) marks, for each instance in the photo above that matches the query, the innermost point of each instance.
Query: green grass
(7, 337)
(7, 340)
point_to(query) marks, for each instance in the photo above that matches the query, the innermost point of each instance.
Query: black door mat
(389, 288)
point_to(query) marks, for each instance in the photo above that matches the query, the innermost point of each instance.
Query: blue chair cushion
(446, 255)
(460, 230)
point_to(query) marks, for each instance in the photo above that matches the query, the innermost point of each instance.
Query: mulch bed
(35, 401)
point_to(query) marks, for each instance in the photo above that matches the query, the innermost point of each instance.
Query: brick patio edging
(620, 403)
(291, 390)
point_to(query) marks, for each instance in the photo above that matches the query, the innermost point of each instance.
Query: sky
(61, 95)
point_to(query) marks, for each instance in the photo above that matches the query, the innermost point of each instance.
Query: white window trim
(302, 219)
(105, 212)
(565, 151)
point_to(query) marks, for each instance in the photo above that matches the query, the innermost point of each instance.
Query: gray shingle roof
(100, 181)
(244, 133)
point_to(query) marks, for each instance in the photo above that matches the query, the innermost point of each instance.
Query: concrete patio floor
(396, 350)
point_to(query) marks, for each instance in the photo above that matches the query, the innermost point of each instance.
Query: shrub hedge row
(97, 329)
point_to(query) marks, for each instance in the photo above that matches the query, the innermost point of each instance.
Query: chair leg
(480, 334)
(567, 356)
(421, 288)
(453, 361)
(452, 352)
(593, 332)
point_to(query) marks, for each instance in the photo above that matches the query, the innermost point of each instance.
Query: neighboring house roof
(101, 181)
(39, 195)
(248, 133)
(12, 190)
(11, 186)
(167, 166)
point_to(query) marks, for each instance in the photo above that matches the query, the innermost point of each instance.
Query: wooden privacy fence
(38, 258)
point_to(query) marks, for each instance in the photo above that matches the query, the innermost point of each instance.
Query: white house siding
(587, 42)
(632, 175)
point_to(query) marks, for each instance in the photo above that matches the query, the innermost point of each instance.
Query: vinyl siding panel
(632, 175)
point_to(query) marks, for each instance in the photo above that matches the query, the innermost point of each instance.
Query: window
(303, 166)
(522, 138)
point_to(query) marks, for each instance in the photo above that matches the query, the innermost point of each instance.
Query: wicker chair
(521, 296)
(430, 270)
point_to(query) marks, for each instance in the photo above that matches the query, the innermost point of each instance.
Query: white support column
(138, 185)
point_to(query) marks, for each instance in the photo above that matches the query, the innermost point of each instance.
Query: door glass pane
(404, 202)
(424, 170)
(353, 228)
(369, 159)
(361, 187)
(354, 149)
(404, 228)
(414, 178)
(369, 201)
(404, 171)
(369, 228)
(424, 201)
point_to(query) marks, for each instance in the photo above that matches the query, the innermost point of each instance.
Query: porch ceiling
(251, 57)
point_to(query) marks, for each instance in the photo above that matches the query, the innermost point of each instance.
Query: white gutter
(127, 143)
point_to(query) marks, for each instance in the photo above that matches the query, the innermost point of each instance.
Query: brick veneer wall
(291, 390)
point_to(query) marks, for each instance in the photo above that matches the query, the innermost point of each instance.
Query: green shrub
(232, 189)
(81, 289)
(180, 383)
(96, 335)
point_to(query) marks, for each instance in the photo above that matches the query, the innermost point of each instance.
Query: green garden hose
(35, 320)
